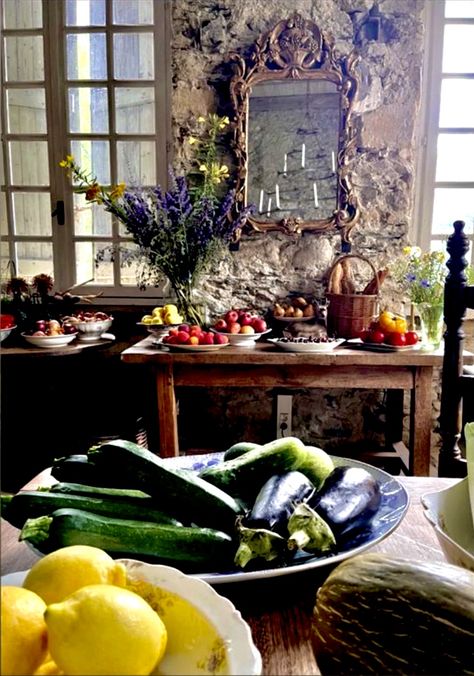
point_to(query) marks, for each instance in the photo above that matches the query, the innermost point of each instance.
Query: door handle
(58, 211)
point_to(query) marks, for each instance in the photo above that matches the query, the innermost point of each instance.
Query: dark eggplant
(277, 499)
(77, 468)
(347, 500)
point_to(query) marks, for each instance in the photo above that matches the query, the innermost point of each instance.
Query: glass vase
(191, 311)
(431, 324)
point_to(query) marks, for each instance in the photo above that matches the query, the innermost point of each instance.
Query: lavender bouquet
(178, 232)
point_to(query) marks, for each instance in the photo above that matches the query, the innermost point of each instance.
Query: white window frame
(59, 139)
(426, 183)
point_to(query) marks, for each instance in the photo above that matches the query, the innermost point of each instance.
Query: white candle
(277, 195)
(269, 208)
(260, 204)
(333, 159)
(315, 192)
(285, 164)
(303, 150)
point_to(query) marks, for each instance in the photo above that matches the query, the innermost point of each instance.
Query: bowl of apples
(50, 333)
(242, 327)
(90, 326)
(192, 338)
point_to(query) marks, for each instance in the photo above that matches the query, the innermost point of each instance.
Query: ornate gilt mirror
(294, 138)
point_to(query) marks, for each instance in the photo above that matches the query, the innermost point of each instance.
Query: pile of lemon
(166, 314)
(73, 615)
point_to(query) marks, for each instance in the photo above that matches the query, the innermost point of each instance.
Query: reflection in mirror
(294, 137)
(292, 144)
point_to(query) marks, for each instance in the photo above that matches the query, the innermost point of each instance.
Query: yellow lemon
(61, 572)
(157, 311)
(48, 668)
(146, 319)
(23, 631)
(102, 629)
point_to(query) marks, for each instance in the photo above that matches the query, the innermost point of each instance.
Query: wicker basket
(349, 313)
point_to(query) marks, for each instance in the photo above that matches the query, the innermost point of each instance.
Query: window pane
(455, 9)
(458, 51)
(133, 56)
(24, 58)
(93, 158)
(88, 110)
(135, 110)
(3, 215)
(453, 204)
(457, 103)
(133, 12)
(85, 13)
(26, 110)
(454, 161)
(34, 258)
(86, 269)
(86, 56)
(136, 162)
(22, 14)
(91, 219)
(128, 270)
(29, 162)
(32, 213)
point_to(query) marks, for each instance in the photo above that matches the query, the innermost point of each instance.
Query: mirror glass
(293, 130)
(294, 139)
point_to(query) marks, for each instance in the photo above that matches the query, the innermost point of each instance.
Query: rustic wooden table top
(278, 610)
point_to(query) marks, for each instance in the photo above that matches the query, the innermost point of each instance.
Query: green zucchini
(105, 492)
(239, 449)
(78, 469)
(162, 543)
(244, 476)
(24, 505)
(380, 614)
(179, 492)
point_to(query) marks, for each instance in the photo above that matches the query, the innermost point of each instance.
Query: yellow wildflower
(201, 118)
(192, 140)
(224, 122)
(117, 191)
(68, 162)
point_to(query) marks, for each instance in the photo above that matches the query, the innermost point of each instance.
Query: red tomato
(411, 337)
(376, 336)
(364, 335)
(396, 339)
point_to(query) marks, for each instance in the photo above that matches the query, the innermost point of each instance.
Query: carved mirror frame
(297, 49)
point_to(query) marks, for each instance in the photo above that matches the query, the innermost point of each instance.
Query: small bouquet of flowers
(421, 275)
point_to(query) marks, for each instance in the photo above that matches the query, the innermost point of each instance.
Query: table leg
(420, 421)
(167, 412)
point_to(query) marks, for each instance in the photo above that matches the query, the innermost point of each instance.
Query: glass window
(22, 13)
(24, 58)
(86, 56)
(26, 111)
(88, 110)
(135, 110)
(458, 49)
(133, 56)
(32, 213)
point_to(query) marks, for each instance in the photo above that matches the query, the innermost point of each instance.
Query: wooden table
(279, 610)
(266, 366)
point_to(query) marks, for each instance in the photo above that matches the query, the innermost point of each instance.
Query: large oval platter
(392, 509)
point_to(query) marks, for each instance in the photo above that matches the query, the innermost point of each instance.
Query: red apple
(234, 327)
(184, 327)
(207, 338)
(7, 321)
(246, 319)
(182, 336)
(376, 336)
(231, 317)
(221, 325)
(259, 324)
(220, 339)
(40, 325)
(396, 339)
(411, 337)
(247, 329)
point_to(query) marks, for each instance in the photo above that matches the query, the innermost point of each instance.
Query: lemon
(102, 629)
(61, 572)
(23, 631)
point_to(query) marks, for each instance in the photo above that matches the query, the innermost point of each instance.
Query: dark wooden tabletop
(279, 610)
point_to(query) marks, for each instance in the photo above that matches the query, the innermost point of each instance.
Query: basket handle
(362, 258)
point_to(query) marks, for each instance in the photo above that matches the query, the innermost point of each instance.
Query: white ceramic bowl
(50, 341)
(90, 331)
(196, 649)
(449, 512)
(242, 339)
(4, 333)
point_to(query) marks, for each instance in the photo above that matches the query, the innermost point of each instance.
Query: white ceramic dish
(449, 512)
(306, 347)
(90, 331)
(242, 339)
(380, 347)
(233, 642)
(50, 341)
(4, 333)
(176, 347)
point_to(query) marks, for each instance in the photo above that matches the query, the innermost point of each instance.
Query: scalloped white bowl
(4, 333)
(201, 655)
(449, 512)
(90, 331)
(241, 339)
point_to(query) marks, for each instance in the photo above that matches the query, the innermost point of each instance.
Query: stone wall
(271, 265)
